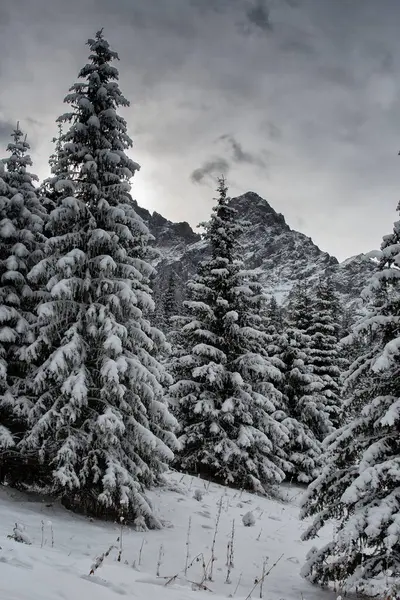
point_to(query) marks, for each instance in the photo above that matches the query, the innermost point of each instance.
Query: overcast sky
(297, 100)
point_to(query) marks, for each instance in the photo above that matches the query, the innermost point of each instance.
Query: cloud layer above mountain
(297, 100)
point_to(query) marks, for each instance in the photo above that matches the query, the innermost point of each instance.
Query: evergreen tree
(6, 439)
(21, 224)
(303, 413)
(300, 309)
(49, 193)
(171, 307)
(166, 301)
(360, 483)
(303, 449)
(324, 357)
(350, 346)
(274, 318)
(99, 417)
(309, 328)
(225, 389)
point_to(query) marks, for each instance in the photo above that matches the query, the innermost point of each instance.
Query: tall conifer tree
(21, 223)
(360, 483)
(225, 389)
(324, 350)
(99, 419)
(304, 415)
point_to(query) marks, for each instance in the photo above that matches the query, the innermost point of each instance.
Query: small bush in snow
(19, 535)
(140, 524)
(198, 495)
(248, 519)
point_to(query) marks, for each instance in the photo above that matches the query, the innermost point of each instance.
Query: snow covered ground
(58, 568)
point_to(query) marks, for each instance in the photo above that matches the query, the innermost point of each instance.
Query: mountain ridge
(282, 255)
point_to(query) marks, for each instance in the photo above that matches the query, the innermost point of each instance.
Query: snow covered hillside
(64, 547)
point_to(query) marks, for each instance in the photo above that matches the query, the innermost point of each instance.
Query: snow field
(64, 547)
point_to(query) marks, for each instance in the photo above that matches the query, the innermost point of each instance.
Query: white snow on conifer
(359, 484)
(100, 419)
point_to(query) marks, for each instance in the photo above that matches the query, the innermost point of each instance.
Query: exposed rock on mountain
(283, 255)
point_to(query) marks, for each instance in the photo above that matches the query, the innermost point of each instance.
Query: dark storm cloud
(258, 15)
(211, 168)
(239, 155)
(316, 82)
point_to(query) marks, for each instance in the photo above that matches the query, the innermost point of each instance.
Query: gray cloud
(6, 129)
(338, 75)
(298, 46)
(273, 131)
(241, 156)
(211, 168)
(258, 14)
(218, 165)
(293, 3)
(325, 75)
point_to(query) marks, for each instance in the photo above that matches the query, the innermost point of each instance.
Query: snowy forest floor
(59, 569)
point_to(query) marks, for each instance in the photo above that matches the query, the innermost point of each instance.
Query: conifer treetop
(223, 229)
(19, 203)
(97, 138)
(19, 160)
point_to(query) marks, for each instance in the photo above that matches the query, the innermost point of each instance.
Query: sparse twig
(121, 520)
(188, 545)
(160, 558)
(213, 559)
(263, 576)
(196, 559)
(140, 552)
(52, 533)
(42, 529)
(100, 559)
(237, 586)
(266, 573)
(230, 554)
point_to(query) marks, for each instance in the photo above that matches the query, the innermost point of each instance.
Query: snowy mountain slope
(59, 570)
(283, 255)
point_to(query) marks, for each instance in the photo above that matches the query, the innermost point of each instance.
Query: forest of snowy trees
(97, 402)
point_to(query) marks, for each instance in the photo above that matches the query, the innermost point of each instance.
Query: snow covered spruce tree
(360, 484)
(307, 383)
(99, 417)
(274, 317)
(225, 383)
(171, 305)
(6, 439)
(21, 224)
(50, 194)
(302, 413)
(324, 349)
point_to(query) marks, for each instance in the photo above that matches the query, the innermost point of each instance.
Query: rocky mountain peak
(282, 255)
(254, 208)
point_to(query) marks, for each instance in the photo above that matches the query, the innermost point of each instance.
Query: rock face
(282, 255)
